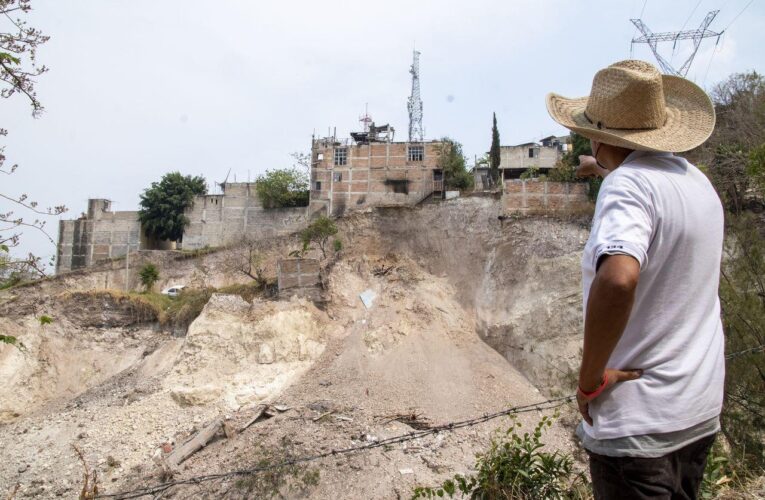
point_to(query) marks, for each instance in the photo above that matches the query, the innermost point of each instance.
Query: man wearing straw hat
(652, 372)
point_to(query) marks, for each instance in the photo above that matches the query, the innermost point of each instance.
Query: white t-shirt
(662, 211)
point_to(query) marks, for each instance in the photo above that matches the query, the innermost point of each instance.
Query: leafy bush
(716, 473)
(742, 297)
(149, 274)
(452, 161)
(530, 173)
(337, 245)
(515, 467)
(288, 481)
(319, 232)
(283, 188)
(563, 172)
(182, 311)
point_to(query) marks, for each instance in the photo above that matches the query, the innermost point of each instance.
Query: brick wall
(529, 197)
(375, 174)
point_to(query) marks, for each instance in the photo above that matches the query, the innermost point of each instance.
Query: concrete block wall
(217, 220)
(101, 235)
(531, 197)
(299, 277)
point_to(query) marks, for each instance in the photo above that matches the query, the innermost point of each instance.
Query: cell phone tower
(414, 105)
(697, 35)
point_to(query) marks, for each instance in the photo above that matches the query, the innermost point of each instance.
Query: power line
(689, 15)
(545, 405)
(744, 352)
(402, 438)
(636, 29)
(737, 15)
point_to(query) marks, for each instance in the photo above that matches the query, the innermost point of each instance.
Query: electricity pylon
(697, 35)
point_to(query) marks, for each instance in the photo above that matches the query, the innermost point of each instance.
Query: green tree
(733, 154)
(149, 275)
(580, 145)
(734, 160)
(319, 232)
(452, 162)
(494, 157)
(164, 203)
(283, 188)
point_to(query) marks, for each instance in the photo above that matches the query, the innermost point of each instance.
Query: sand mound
(244, 353)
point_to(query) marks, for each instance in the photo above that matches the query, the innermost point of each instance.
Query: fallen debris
(330, 412)
(368, 297)
(259, 411)
(382, 270)
(196, 443)
(414, 420)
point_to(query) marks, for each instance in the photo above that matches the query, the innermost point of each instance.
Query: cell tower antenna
(697, 35)
(414, 105)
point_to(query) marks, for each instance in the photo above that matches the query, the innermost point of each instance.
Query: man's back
(664, 212)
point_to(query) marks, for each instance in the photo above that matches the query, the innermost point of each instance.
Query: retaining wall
(535, 197)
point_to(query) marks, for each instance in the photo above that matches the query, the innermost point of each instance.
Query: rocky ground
(457, 292)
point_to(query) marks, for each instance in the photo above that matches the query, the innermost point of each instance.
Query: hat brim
(690, 120)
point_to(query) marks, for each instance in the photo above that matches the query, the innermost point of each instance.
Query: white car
(173, 291)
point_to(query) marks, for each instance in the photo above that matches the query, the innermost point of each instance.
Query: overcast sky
(138, 88)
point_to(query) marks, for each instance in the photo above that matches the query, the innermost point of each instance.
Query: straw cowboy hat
(633, 106)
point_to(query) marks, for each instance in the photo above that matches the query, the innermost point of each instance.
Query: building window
(320, 157)
(341, 156)
(531, 152)
(318, 185)
(416, 153)
(337, 176)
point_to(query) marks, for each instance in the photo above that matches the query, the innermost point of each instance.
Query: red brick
(513, 186)
(513, 202)
(535, 202)
(533, 186)
(359, 187)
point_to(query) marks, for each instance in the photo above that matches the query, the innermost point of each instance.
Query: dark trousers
(676, 476)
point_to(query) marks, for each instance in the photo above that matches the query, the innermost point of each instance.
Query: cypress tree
(494, 153)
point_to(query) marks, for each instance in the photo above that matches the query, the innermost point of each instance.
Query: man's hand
(588, 167)
(614, 377)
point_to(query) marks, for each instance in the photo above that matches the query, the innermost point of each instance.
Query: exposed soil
(458, 292)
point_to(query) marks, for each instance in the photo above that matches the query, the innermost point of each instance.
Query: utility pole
(697, 35)
(414, 104)
(127, 267)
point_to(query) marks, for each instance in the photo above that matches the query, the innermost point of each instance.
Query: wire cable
(402, 438)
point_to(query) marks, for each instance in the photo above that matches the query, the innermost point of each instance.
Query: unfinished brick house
(370, 169)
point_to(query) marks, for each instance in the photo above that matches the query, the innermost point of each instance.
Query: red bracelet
(589, 396)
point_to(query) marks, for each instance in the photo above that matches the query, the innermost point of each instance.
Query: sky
(139, 88)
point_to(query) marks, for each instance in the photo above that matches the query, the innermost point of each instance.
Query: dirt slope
(444, 278)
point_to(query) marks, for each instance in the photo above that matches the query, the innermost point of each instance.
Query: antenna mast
(697, 35)
(414, 105)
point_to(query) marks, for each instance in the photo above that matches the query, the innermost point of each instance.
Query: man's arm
(588, 167)
(608, 308)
